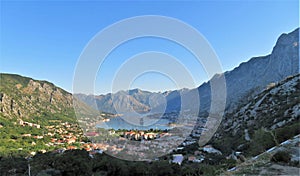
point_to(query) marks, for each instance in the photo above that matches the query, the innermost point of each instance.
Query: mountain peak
(133, 91)
(287, 41)
(254, 75)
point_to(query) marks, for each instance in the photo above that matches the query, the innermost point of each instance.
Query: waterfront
(122, 123)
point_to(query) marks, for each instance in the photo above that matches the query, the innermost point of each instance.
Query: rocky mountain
(251, 77)
(28, 99)
(273, 114)
(274, 107)
(23, 97)
(133, 100)
(282, 159)
(254, 75)
(248, 78)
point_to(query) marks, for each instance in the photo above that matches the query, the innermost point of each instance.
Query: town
(143, 135)
(60, 136)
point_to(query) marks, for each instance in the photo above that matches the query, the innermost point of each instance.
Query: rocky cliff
(253, 76)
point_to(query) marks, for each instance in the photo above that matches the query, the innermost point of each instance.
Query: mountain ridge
(249, 77)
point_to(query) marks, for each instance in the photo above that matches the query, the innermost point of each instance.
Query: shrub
(288, 131)
(281, 156)
(262, 140)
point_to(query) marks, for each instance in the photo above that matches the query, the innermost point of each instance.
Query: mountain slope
(269, 118)
(23, 97)
(254, 75)
(38, 116)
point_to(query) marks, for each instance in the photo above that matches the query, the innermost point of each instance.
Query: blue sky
(43, 40)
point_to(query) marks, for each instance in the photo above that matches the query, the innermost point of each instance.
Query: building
(38, 137)
(210, 149)
(191, 158)
(91, 134)
(70, 141)
(72, 147)
(177, 158)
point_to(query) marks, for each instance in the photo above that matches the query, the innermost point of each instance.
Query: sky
(44, 40)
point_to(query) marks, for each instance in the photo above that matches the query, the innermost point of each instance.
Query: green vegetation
(261, 141)
(281, 156)
(14, 143)
(27, 108)
(264, 140)
(78, 162)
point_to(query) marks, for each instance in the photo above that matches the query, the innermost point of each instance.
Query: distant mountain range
(248, 78)
(132, 100)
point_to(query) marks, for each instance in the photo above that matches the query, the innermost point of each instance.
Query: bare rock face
(7, 104)
(254, 75)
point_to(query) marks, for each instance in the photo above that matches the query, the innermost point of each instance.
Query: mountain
(133, 100)
(26, 98)
(274, 107)
(248, 78)
(254, 75)
(269, 118)
(39, 116)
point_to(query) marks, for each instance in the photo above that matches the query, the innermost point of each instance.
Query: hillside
(268, 119)
(26, 98)
(279, 160)
(38, 116)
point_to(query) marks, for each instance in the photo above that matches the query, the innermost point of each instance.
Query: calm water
(119, 123)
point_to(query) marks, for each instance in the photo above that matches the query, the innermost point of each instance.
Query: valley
(52, 130)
